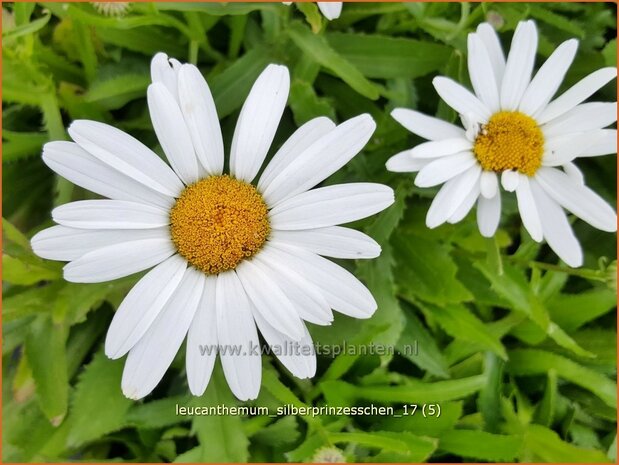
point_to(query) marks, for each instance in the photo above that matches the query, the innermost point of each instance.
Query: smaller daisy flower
(113, 9)
(330, 10)
(513, 131)
(231, 253)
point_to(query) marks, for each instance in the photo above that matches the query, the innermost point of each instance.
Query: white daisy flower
(230, 257)
(514, 131)
(330, 10)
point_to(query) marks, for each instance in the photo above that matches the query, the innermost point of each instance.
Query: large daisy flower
(513, 131)
(229, 257)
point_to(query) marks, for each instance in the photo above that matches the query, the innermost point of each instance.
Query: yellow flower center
(510, 141)
(217, 222)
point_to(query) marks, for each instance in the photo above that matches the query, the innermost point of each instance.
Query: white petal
(331, 10)
(489, 214)
(584, 117)
(482, 74)
(604, 143)
(143, 303)
(574, 173)
(548, 79)
(465, 206)
(576, 94)
(519, 65)
(578, 199)
(306, 297)
(313, 165)
(333, 241)
(451, 196)
(489, 184)
(557, 230)
(236, 330)
(66, 244)
(296, 144)
(258, 122)
(331, 205)
(162, 71)
(172, 132)
(72, 162)
(445, 168)
(299, 357)
(152, 355)
(404, 162)
(269, 299)
(510, 180)
(428, 127)
(461, 99)
(343, 291)
(440, 148)
(198, 108)
(110, 214)
(493, 46)
(202, 342)
(528, 209)
(565, 148)
(119, 260)
(125, 154)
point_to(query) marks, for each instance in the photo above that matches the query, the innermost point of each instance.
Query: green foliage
(517, 350)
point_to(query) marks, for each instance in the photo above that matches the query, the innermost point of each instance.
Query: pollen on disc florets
(217, 222)
(510, 140)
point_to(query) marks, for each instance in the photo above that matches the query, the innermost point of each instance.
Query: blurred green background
(518, 350)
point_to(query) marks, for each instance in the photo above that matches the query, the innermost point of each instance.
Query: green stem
(194, 47)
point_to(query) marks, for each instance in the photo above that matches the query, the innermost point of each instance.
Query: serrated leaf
(45, 349)
(481, 445)
(221, 438)
(543, 444)
(280, 433)
(426, 271)
(428, 357)
(527, 362)
(100, 381)
(459, 322)
(319, 49)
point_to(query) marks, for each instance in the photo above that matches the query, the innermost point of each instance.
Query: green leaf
(412, 448)
(20, 145)
(19, 271)
(544, 445)
(45, 349)
(386, 57)
(413, 392)
(319, 49)
(481, 445)
(305, 104)
(221, 438)
(428, 271)
(157, 413)
(571, 311)
(425, 426)
(461, 323)
(280, 433)
(231, 87)
(26, 29)
(513, 287)
(99, 381)
(115, 92)
(527, 362)
(429, 357)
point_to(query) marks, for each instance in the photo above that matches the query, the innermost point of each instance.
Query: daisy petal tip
(132, 392)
